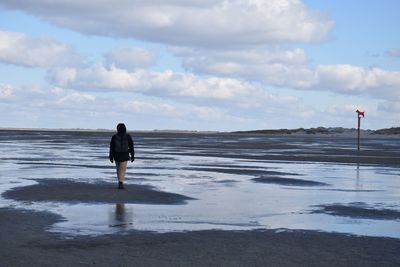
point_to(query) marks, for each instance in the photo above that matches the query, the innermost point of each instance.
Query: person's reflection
(122, 216)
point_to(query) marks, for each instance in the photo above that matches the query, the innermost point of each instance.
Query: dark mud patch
(287, 181)
(226, 166)
(66, 165)
(136, 174)
(242, 171)
(70, 191)
(156, 158)
(353, 190)
(339, 190)
(25, 160)
(227, 181)
(359, 210)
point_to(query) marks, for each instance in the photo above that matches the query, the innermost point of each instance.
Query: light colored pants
(121, 170)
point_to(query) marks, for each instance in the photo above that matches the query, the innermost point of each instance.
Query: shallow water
(218, 171)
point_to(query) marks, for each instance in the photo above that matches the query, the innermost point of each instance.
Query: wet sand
(61, 190)
(246, 171)
(287, 181)
(359, 210)
(24, 242)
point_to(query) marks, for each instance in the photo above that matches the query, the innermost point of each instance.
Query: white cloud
(6, 91)
(34, 106)
(63, 75)
(185, 96)
(75, 98)
(96, 77)
(290, 68)
(159, 112)
(169, 84)
(178, 110)
(77, 109)
(19, 49)
(219, 23)
(354, 79)
(278, 72)
(246, 63)
(130, 58)
(151, 107)
(44, 97)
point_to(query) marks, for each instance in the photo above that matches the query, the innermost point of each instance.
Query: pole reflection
(359, 185)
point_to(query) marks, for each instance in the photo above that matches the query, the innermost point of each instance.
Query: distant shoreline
(326, 131)
(55, 130)
(318, 131)
(78, 130)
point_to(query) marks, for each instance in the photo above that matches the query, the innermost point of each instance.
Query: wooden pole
(358, 133)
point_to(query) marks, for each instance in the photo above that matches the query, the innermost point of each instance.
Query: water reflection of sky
(230, 201)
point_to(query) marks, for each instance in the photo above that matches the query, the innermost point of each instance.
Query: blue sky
(199, 65)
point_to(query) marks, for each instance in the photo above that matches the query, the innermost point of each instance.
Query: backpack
(121, 143)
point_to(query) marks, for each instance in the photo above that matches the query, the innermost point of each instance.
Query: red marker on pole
(359, 115)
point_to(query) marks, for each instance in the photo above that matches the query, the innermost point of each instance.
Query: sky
(206, 65)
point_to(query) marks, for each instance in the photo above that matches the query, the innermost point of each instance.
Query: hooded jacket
(121, 146)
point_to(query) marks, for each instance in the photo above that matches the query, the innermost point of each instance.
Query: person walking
(121, 151)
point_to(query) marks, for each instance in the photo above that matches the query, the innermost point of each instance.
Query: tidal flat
(209, 187)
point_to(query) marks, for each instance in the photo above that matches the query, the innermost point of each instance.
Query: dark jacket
(120, 156)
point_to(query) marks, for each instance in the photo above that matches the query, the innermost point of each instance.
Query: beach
(26, 243)
(199, 199)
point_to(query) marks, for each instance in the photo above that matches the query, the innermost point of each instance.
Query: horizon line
(169, 130)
